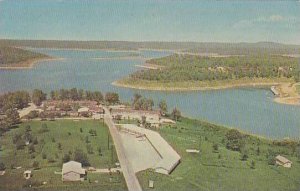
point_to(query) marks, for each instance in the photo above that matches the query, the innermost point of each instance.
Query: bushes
(20, 144)
(215, 147)
(89, 149)
(66, 158)
(2, 166)
(81, 157)
(44, 128)
(35, 165)
(235, 140)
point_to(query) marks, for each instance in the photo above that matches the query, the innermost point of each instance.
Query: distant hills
(192, 47)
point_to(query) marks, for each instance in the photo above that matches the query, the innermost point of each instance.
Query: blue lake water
(251, 110)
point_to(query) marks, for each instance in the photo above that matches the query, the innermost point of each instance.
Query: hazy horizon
(151, 21)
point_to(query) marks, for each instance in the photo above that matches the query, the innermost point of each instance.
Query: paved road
(128, 172)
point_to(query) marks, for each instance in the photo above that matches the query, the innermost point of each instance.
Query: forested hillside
(176, 68)
(192, 47)
(12, 56)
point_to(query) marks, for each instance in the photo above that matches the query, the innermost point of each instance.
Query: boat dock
(274, 91)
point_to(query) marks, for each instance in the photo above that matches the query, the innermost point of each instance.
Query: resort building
(159, 155)
(282, 161)
(73, 171)
(152, 117)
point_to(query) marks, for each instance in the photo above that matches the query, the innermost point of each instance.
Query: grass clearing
(222, 169)
(70, 135)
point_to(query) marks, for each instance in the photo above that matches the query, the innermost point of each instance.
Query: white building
(73, 171)
(152, 117)
(280, 160)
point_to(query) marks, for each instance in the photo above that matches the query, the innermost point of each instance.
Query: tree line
(13, 101)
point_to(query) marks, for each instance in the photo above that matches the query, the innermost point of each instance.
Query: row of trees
(141, 103)
(77, 95)
(196, 68)
(21, 99)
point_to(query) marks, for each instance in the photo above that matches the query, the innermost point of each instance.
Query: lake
(251, 110)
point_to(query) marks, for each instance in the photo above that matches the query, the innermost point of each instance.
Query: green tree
(136, 98)
(98, 97)
(234, 140)
(20, 144)
(74, 94)
(163, 107)
(35, 165)
(89, 149)
(59, 146)
(12, 117)
(27, 128)
(100, 151)
(252, 166)
(2, 166)
(66, 158)
(38, 96)
(176, 114)
(81, 157)
(298, 153)
(112, 98)
(215, 147)
(31, 149)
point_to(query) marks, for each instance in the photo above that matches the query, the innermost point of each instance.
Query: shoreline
(82, 49)
(288, 95)
(29, 64)
(121, 58)
(200, 88)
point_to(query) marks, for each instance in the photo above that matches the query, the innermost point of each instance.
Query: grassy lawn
(70, 135)
(222, 169)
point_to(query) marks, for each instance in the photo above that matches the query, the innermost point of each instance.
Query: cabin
(73, 171)
(282, 161)
(96, 110)
(27, 174)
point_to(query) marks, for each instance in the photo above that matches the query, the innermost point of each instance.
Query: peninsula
(186, 72)
(18, 58)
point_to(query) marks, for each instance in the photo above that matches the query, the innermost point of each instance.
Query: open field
(222, 169)
(71, 135)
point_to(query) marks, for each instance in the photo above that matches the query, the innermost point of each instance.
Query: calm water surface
(251, 110)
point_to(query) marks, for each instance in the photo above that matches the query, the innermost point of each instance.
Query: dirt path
(128, 172)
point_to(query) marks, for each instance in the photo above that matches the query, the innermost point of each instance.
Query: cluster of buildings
(153, 117)
(72, 108)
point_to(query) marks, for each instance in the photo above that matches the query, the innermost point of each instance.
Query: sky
(151, 20)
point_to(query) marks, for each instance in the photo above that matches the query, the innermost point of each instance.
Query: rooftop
(72, 166)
